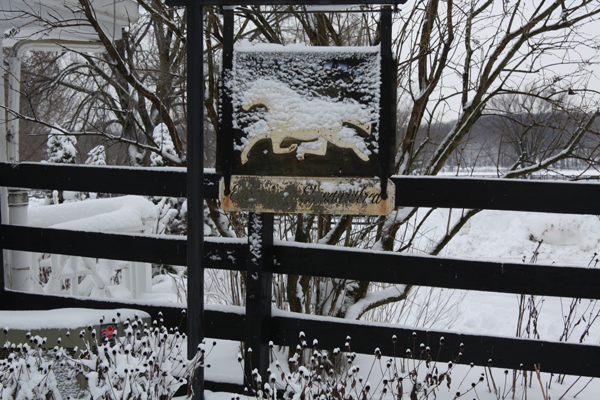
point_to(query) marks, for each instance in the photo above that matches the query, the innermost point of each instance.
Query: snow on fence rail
(283, 328)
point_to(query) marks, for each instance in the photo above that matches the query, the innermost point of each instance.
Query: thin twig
(586, 385)
(537, 372)
(573, 384)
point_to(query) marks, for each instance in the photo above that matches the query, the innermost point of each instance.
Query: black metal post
(195, 198)
(386, 99)
(2, 266)
(225, 139)
(259, 280)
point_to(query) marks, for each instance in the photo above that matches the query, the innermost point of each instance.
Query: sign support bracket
(259, 288)
(225, 136)
(386, 113)
(195, 179)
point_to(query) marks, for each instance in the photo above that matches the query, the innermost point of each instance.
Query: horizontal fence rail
(322, 261)
(155, 249)
(388, 267)
(498, 194)
(509, 353)
(411, 191)
(118, 180)
(312, 260)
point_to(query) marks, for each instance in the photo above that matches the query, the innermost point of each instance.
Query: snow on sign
(299, 111)
(305, 111)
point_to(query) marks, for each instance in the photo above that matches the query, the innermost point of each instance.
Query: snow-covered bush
(323, 375)
(163, 140)
(172, 218)
(96, 156)
(147, 362)
(27, 373)
(61, 148)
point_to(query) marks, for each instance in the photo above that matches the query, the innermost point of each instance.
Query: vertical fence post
(258, 294)
(195, 173)
(387, 109)
(3, 190)
(3, 276)
(225, 134)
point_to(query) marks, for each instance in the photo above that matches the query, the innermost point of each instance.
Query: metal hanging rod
(324, 11)
(181, 3)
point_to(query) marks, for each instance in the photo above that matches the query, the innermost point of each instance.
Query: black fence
(338, 262)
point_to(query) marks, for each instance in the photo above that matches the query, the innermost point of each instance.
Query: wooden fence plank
(309, 260)
(509, 353)
(170, 182)
(336, 262)
(171, 250)
(219, 324)
(173, 315)
(497, 194)
(411, 191)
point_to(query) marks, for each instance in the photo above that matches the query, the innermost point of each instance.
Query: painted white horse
(314, 122)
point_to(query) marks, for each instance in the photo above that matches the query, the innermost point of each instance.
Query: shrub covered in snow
(61, 148)
(27, 372)
(163, 140)
(146, 362)
(336, 375)
(96, 156)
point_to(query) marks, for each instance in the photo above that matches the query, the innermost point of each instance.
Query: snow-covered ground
(568, 240)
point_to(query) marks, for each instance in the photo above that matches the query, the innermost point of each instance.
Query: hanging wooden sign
(307, 113)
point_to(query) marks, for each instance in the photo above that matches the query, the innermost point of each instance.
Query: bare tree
(530, 126)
